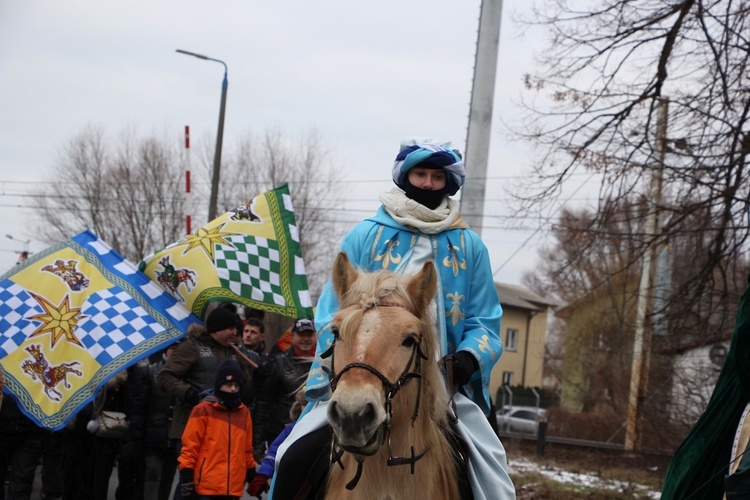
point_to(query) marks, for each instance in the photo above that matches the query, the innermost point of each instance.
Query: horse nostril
(333, 413)
(368, 413)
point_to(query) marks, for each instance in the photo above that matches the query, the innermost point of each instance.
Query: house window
(511, 340)
(507, 378)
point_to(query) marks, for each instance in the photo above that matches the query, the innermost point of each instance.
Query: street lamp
(25, 252)
(219, 137)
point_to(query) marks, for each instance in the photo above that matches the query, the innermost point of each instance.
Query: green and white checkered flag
(251, 256)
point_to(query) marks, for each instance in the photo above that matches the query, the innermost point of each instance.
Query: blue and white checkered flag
(73, 316)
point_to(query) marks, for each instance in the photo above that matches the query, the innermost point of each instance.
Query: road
(36, 493)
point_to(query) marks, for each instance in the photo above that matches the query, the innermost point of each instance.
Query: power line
(538, 229)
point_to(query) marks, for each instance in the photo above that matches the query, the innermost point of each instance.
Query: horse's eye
(409, 341)
(335, 332)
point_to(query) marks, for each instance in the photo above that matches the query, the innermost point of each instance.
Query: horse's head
(383, 339)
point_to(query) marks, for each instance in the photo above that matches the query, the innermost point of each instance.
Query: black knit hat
(228, 371)
(220, 319)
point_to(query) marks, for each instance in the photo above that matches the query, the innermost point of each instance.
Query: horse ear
(422, 287)
(343, 275)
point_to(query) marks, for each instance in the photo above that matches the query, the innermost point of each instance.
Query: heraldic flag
(250, 255)
(73, 316)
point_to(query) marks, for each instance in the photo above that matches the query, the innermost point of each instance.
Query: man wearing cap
(278, 380)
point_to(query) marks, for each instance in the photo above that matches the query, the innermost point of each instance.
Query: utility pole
(642, 340)
(480, 114)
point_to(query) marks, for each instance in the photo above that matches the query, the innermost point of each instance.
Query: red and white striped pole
(188, 201)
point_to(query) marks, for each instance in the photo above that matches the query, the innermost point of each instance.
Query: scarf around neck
(408, 212)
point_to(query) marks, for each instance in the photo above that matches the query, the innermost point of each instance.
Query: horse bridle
(390, 389)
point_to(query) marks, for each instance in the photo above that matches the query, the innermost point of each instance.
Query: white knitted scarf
(408, 212)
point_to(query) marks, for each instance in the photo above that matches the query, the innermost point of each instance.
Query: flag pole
(188, 200)
(242, 356)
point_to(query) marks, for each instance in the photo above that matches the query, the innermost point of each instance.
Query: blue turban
(445, 155)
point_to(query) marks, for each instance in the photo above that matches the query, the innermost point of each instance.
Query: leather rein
(390, 389)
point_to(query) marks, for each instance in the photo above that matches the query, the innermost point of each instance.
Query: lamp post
(219, 137)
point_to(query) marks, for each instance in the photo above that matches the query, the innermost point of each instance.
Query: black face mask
(231, 400)
(429, 198)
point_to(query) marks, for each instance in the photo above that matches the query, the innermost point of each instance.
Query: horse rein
(390, 389)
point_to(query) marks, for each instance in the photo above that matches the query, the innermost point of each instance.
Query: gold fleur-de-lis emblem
(389, 255)
(453, 261)
(455, 311)
(484, 345)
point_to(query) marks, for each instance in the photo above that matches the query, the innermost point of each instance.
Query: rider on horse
(419, 222)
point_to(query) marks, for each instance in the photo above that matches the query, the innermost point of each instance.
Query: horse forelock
(372, 289)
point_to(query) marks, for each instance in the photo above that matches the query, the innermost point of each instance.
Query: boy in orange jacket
(217, 445)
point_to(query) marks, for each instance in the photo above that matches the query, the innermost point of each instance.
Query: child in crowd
(220, 426)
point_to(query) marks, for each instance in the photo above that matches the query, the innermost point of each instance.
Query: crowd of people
(182, 404)
(190, 408)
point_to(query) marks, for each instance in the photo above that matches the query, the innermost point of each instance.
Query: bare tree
(129, 193)
(593, 267)
(608, 64)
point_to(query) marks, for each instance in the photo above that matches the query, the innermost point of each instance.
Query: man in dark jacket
(278, 380)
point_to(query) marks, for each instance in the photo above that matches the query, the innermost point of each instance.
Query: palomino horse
(389, 404)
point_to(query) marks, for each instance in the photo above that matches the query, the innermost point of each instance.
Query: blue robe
(467, 307)
(468, 318)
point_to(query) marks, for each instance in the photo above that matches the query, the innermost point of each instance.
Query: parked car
(523, 419)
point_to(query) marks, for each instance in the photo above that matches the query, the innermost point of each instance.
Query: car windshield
(525, 414)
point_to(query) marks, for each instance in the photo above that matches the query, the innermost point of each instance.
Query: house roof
(516, 296)
(689, 346)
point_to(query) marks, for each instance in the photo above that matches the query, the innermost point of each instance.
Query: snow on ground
(525, 466)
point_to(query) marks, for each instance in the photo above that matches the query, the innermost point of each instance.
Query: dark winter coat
(190, 368)
(277, 382)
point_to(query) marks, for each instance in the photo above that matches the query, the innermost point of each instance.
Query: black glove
(464, 364)
(187, 486)
(187, 491)
(192, 396)
(260, 375)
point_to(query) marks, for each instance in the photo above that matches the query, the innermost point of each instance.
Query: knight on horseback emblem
(244, 212)
(49, 376)
(75, 280)
(170, 278)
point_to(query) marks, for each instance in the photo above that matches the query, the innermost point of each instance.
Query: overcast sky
(364, 75)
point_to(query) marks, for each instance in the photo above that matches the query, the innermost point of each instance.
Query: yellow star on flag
(57, 321)
(206, 239)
